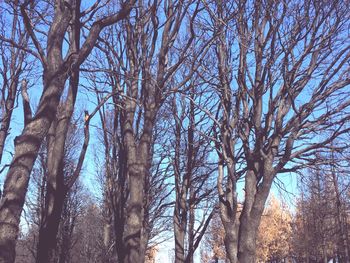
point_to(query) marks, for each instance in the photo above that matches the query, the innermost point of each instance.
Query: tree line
(192, 104)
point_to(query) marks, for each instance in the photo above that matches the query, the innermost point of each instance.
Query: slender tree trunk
(119, 212)
(181, 187)
(191, 233)
(107, 232)
(7, 114)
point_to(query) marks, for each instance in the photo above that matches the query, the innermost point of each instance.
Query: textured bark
(54, 196)
(137, 167)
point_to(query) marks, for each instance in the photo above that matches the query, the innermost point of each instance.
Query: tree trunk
(48, 230)
(28, 143)
(56, 191)
(132, 237)
(231, 241)
(247, 240)
(191, 232)
(26, 149)
(143, 246)
(119, 210)
(179, 236)
(7, 114)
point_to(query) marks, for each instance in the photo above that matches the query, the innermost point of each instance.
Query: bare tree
(322, 211)
(192, 173)
(282, 81)
(36, 202)
(148, 56)
(56, 70)
(13, 64)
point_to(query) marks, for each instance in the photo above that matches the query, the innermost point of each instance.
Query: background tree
(321, 221)
(213, 247)
(14, 63)
(193, 172)
(275, 230)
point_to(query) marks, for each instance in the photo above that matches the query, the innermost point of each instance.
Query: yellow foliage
(275, 232)
(273, 240)
(151, 254)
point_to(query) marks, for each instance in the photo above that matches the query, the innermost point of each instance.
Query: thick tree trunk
(247, 240)
(179, 236)
(132, 237)
(241, 233)
(54, 193)
(143, 246)
(48, 231)
(26, 149)
(231, 241)
(138, 165)
(56, 189)
(138, 169)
